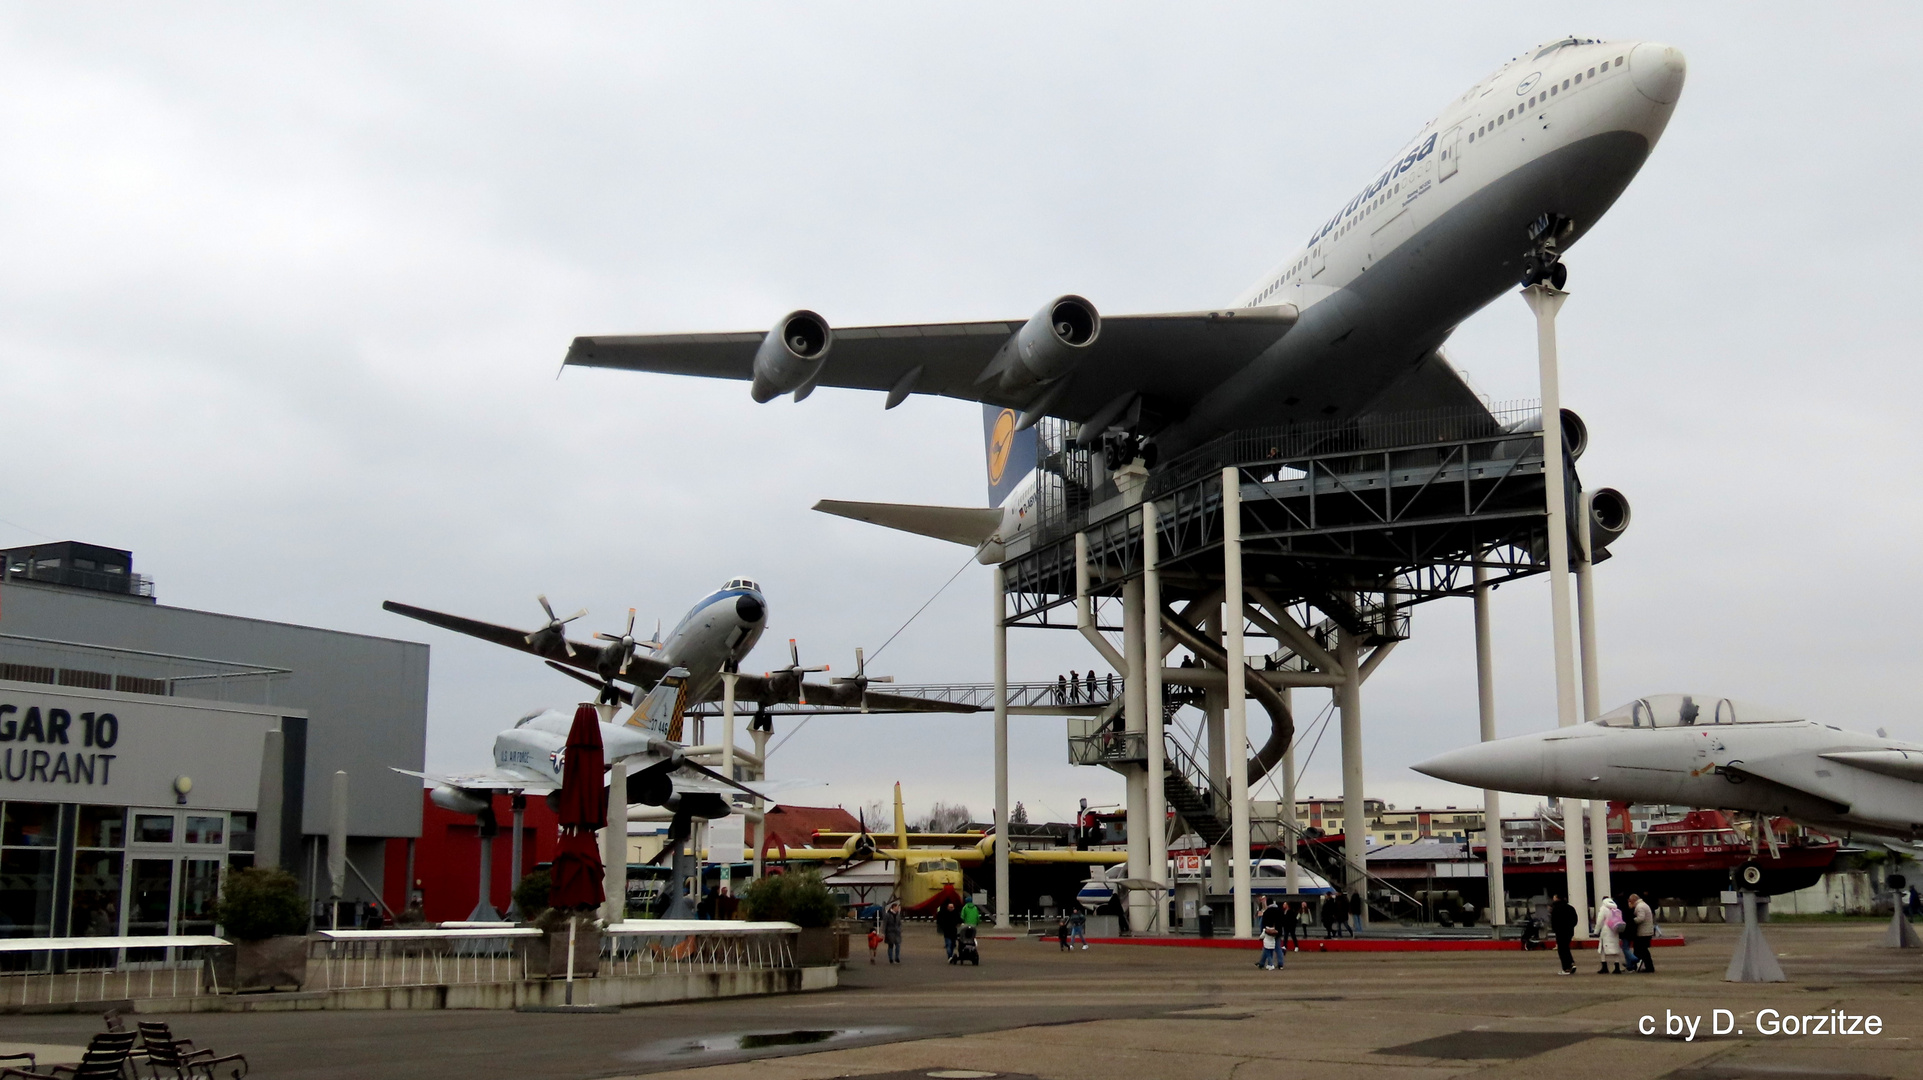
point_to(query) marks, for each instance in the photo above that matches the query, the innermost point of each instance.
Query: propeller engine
(615, 658)
(793, 673)
(860, 679)
(553, 631)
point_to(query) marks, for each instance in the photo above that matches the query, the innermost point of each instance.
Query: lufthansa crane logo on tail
(999, 445)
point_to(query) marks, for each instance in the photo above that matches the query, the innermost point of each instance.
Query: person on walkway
(874, 940)
(1274, 956)
(1609, 936)
(1291, 925)
(1091, 684)
(1329, 915)
(970, 914)
(1078, 927)
(1644, 922)
(1562, 923)
(948, 921)
(1061, 689)
(891, 930)
(1061, 930)
(1262, 908)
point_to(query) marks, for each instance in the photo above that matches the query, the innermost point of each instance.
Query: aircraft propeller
(795, 671)
(860, 679)
(554, 629)
(610, 694)
(623, 647)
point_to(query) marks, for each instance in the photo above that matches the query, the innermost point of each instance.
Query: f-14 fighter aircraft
(715, 635)
(1681, 749)
(1491, 191)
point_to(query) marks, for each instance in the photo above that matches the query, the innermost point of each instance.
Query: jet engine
(701, 804)
(791, 355)
(1608, 517)
(460, 800)
(1050, 343)
(1575, 434)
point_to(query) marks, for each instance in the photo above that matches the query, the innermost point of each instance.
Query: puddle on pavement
(755, 1042)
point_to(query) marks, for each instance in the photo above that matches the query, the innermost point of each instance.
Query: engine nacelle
(1608, 514)
(791, 355)
(1575, 434)
(460, 800)
(1050, 343)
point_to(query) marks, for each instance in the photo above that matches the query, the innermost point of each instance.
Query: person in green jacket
(971, 915)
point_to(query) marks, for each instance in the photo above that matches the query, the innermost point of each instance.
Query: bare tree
(1019, 815)
(947, 817)
(875, 814)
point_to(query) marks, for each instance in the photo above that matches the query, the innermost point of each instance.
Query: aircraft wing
(1173, 360)
(780, 690)
(642, 669)
(492, 780)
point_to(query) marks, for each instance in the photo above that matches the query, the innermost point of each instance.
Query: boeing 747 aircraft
(1490, 192)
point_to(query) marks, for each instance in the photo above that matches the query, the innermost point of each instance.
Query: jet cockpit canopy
(742, 583)
(1686, 710)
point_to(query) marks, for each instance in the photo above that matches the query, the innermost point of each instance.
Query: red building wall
(447, 858)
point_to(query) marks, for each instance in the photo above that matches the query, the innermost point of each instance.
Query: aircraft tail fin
(659, 713)
(1012, 454)
(970, 525)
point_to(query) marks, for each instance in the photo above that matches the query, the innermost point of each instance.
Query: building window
(206, 830)
(154, 828)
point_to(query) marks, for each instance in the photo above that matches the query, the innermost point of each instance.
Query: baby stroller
(966, 951)
(1532, 934)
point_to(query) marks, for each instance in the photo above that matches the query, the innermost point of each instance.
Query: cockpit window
(742, 583)
(1564, 44)
(1684, 710)
(528, 717)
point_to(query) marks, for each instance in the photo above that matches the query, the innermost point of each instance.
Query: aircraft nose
(749, 608)
(1505, 765)
(1658, 71)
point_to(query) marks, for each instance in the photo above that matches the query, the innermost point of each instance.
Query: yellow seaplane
(925, 867)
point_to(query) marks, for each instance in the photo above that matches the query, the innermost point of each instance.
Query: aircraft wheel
(1559, 275)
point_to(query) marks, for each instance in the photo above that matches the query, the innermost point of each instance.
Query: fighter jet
(1711, 752)
(715, 635)
(529, 756)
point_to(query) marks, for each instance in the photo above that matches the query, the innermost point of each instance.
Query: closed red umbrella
(583, 808)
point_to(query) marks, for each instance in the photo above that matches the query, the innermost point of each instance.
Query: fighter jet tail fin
(659, 713)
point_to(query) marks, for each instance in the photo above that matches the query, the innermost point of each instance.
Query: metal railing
(373, 959)
(1096, 740)
(59, 971)
(27, 658)
(665, 947)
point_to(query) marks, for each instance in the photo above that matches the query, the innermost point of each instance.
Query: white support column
(1355, 817)
(1153, 706)
(728, 677)
(1135, 725)
(517, 802)
(1238, 726)
(614, 845)
(1289, 823)
(337, 852)
(1491, 798)
(1002, 894)
(1545, 302)
(761, 773)
(1591, 692)
(1215, 706)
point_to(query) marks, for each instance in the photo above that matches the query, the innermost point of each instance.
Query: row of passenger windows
(1554, 89)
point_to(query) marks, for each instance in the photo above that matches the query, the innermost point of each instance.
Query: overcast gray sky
(284, 289)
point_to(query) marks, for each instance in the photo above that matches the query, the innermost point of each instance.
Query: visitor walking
(1644, 921)
(1609, 936)
(1291, 925)
(891, 930)
(1562, 923)
(1274, 956)
(1061, 930)
(970, 914)
(948, 921)
(1078, 927)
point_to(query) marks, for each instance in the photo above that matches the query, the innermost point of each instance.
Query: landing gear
(1542, 263)
(1121, 447)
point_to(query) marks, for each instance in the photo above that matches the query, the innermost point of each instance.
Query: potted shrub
(262, 912)
(801, 899)
(548, 954)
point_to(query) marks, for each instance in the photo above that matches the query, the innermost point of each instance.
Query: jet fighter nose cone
(1658, 71)
(1504, 765)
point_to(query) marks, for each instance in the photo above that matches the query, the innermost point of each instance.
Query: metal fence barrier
(373, 959)
(661, 946)
(60, 971)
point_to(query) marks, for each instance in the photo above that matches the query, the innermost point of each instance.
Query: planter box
(548, 956)
(278, 963)
(820, 946)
